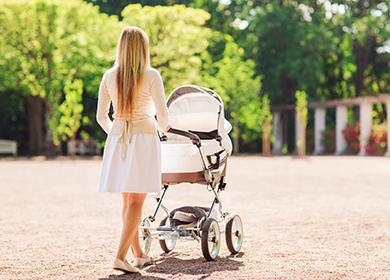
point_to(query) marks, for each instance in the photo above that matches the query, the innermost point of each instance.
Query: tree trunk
(35, 127)
(50, 148)
(362, 60)
(237, 135)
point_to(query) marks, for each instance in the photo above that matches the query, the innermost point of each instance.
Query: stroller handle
(194, 138)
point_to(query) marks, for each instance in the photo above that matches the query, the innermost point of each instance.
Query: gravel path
(314, 218)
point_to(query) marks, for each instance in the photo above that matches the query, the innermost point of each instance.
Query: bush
(351, 135)
(301, 109)
(377, 142)
(328, 140)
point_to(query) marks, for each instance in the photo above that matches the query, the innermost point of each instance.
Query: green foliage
(68, 116)
(177, 38)
(314, 47)
(235, 81)
(48, 46)
(265, 111)
(115, 7)
(288, 50)
(44, 43)
(301, 110)
(301, 106)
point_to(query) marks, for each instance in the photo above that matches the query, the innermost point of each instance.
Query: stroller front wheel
(234, 234)
(211, 239)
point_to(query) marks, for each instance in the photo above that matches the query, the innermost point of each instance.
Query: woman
(131, 159)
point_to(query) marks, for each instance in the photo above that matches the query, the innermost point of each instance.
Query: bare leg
(135, 245)
(131, 215)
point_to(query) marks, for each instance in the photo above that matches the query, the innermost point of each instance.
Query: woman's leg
(131, 215)
(135, 243)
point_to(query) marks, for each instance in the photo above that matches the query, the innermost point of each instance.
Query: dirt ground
(313, 218)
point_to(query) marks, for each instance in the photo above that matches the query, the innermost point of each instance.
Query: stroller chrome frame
(208, 229)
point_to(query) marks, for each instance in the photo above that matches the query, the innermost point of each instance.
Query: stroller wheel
(234, 234)
(145, 238)
(211, 239)
(167, 245)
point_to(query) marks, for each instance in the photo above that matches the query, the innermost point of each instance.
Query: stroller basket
(187, 215)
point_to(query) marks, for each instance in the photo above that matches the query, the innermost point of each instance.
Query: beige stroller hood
(200, 111)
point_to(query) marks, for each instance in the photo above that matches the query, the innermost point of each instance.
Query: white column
(388, 127)
(365, 125)
(277, 131)
(319, 127)
(341, 122)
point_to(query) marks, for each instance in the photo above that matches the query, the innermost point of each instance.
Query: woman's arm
(103, 107)
(158, 96)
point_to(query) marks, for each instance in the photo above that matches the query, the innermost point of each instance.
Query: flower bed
(377, 142)
(351, 135)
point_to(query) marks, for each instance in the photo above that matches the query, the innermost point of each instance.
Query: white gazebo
(341, 105)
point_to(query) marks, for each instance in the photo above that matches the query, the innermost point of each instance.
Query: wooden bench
(79, 147)
(8, 147)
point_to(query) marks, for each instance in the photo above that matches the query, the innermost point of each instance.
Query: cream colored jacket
(149, 102)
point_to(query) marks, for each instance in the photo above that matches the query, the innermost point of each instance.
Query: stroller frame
(206, 230)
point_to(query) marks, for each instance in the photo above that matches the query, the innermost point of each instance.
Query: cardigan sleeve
(103, 107)
(158, 96)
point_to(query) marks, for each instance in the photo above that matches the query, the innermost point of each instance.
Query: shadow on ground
(130, 276)
(172, 265)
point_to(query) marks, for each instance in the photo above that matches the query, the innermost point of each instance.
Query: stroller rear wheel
(234, 234)
(211, 239)
(145, 238)
(167, 245)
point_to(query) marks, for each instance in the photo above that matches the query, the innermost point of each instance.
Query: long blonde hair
(131, 59)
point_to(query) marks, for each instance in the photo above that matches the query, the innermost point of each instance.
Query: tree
(67, 119)
(287, 45)
(331, 49)
(46, 45)
(115, 7)
(367, 23)
(177, 38)
(238, 86)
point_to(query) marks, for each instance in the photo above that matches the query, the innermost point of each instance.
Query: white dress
(133, 164)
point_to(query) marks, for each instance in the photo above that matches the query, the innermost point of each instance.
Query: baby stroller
(195, 150)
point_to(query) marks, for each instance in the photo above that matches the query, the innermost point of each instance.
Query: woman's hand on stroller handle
(194, 138)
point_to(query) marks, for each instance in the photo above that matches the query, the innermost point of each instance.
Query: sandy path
(318, 218)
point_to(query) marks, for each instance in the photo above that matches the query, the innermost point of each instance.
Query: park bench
(80, 147)
(8, 147)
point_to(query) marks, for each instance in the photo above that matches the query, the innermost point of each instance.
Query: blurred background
(268, 60)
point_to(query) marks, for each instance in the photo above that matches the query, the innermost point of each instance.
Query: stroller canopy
(199, 110)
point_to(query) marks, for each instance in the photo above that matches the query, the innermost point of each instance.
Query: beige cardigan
(149, 102)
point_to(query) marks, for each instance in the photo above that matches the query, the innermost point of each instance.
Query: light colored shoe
(141, 262)
(124, 266)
